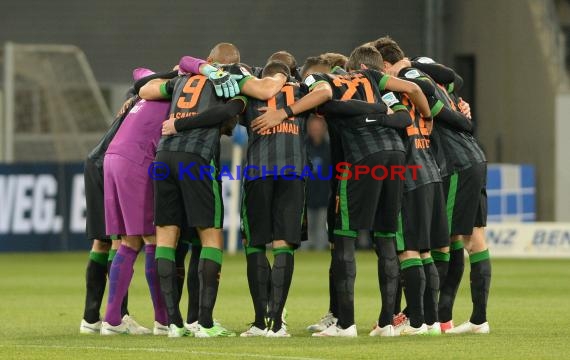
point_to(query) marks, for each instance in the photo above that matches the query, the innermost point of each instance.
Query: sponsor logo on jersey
(310, 80)
(390, 99)
(425, 60)
(412, 74)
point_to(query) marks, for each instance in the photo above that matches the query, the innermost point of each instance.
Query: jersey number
(191, 92)
(352, 86)
(412, 129)
(289, 99)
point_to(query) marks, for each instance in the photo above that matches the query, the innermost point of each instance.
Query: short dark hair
(390, 50)
(275, 67)
(367, 55)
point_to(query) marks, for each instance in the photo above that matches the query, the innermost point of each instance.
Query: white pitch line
(157, 350)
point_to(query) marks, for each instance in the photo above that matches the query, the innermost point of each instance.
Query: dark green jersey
(365, 85)
(473, 150)
(282, 147)
(335, 140)
(191, 95)
(417, 142)
(454, 149)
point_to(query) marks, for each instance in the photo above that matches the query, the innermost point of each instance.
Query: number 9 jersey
(191, 95)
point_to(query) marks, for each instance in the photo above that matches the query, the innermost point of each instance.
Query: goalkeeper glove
(225, 84)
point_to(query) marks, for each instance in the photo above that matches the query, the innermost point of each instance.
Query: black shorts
(422, 224)
(332, 208)
(189, 235)
(189, 195)
(272, 209)
(368, 203)
(95, 202)
(466, 194)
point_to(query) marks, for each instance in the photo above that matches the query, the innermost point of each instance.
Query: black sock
(414, 287)
(125, 303)
(398, 302)
(480, 284)
(344, 276)
(448, 290)
(281, 276)
(431, 291)
(441, 261)
(166, 269)
(193, 285)
(333, 303)
(95, 282)
(258, 277)
(388, 272)
(269, 285)
(179, 257)
(209, 270)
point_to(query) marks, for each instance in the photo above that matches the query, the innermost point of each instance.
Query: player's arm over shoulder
(158, 89)
(413, 90)
(262, 89)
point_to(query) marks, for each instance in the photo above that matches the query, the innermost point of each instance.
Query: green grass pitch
(41, 304)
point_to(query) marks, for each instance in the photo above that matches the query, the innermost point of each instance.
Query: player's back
(138, 136)
(191, 95)
(97, 154)
(284, 144)
(459, 149)
(359, 142)
(418, 150)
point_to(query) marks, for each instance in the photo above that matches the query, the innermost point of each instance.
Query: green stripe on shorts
(217, 198)
(451, 199)
(343, 198)
(244, 220)
(400, 244)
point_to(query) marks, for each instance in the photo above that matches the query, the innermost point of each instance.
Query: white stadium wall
(562, 164)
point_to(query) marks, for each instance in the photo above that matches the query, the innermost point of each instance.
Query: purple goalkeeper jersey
(139, 134)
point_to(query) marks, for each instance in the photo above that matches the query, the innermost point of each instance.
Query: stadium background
(512, 55)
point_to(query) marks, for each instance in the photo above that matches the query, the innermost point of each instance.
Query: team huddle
(384, 112)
